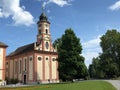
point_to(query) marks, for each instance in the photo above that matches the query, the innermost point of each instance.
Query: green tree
(110, 57)
(71, 63)
(94, 68)
(92, 71)
(57, 43)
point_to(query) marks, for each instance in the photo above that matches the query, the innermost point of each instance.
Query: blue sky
(89, 19)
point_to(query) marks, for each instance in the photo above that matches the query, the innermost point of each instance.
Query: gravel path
(115, 83)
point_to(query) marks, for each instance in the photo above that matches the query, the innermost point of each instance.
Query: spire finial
(43, 8)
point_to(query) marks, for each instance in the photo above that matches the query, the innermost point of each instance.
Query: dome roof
(43, 17)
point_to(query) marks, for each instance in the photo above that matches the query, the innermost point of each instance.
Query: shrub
(14, 81)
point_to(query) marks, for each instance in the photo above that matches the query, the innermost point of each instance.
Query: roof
(43, 18)
(23, 49)
(3, 45)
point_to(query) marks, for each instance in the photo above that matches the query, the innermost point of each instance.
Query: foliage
(108, 62)
(11, 81)
(71, 63)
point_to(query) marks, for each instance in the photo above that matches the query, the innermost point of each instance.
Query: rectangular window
(15, 67)
(20, 66)
(40, 31)
(25, 64)
(46, 31)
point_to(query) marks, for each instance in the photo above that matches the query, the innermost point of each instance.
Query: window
(30, 58)
(53, 59)
(16, 67)
(46, 25)
(47, 58)
(46, 31)
(25, 64)
(40, 31)
(47, 45)
(20, 66)
(39, 58)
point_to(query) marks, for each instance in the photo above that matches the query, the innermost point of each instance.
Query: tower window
(47, 45)
(39, 31)
(46, 25)
(46, 31)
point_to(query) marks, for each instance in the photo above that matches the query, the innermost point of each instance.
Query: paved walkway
(115, 83)
(15, 85)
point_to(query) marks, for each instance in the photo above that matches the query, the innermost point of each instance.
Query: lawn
(83, 85)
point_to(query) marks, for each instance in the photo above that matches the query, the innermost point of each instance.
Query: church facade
(2, 60)
(35, 62)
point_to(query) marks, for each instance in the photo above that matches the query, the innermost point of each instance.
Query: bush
(7, 80)
(14, 81)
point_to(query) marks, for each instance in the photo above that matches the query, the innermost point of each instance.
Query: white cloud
(91, 49)
(1, 15)
(89, 56)
(115, 6)
(60, 3)
(92, 43)
(18, 14)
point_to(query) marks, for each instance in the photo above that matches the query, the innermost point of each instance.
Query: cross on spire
(43, 8)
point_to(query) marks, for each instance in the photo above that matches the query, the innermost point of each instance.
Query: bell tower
(43, 37)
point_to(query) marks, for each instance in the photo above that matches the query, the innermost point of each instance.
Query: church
(37, 61)
(2, 60)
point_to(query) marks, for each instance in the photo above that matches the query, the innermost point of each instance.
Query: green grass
(83, 85)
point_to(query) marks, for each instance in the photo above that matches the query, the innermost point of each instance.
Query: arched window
(47, 45)
(46, 31)
(40, 31)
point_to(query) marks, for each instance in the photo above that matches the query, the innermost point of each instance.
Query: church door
(24, 79)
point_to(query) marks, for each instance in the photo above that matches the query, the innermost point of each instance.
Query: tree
(94, 68)
(110, 58)
(57, 43)
(71, 63)
(108, 64)
(92, 71)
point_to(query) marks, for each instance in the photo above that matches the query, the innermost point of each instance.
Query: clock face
(47, 45)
